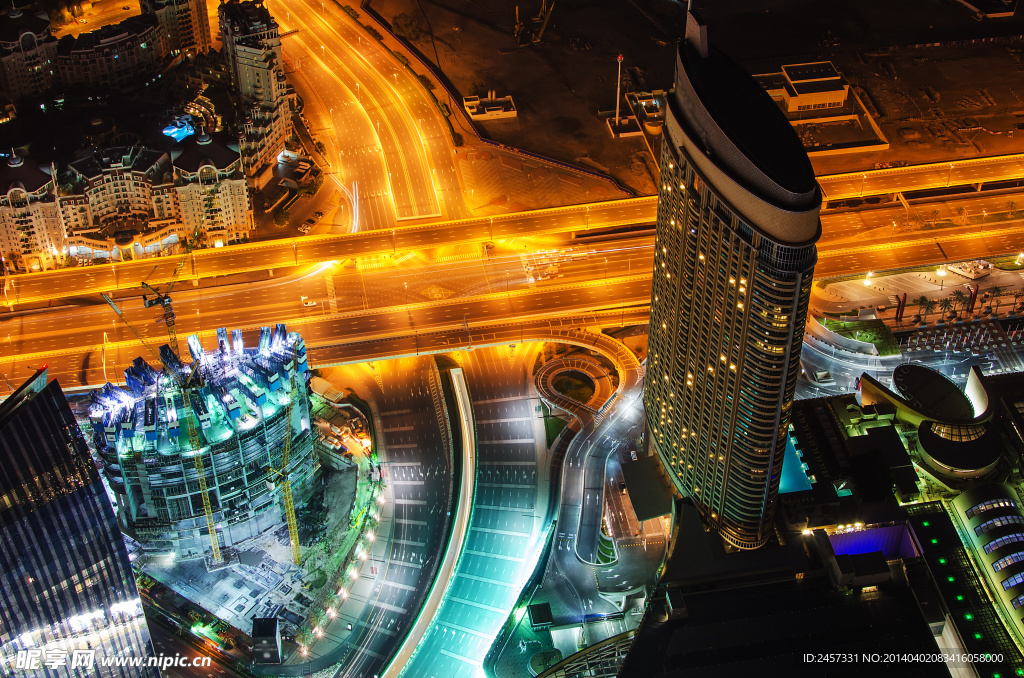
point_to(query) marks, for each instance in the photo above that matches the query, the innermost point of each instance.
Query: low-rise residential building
(123, 198)
(211, 189)
(183, 21)
(118, 183)
(32, 233)
(28, 54)
(120, 56)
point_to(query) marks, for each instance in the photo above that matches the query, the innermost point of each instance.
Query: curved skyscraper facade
(735, 251)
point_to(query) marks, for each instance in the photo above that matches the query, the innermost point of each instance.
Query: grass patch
(574, 385)
(552, 425)
(1007, 263)
(871, 331)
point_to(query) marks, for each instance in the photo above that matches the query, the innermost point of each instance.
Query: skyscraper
(67, 592)
(737, 225)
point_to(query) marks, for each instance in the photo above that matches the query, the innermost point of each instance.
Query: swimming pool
(794, 478)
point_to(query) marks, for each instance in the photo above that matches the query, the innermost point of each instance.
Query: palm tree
(960, 299)
(928, 307)
(920, 301)
(1011, 208)
(996, 291)
(1017, 294)
(945, 305)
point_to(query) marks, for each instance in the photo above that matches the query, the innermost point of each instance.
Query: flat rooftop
(818, 70)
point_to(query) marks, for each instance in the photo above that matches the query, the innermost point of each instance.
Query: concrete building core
(239, 399)
(734, 255)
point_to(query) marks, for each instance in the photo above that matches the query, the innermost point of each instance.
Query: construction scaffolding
(247, 422)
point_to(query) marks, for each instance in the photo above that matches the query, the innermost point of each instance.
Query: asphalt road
(845, 237)
(512, 228)
(401, 119)
(934, 175)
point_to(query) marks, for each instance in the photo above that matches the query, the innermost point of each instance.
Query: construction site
(202, 456)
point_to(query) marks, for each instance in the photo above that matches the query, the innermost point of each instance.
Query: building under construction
(250, 420)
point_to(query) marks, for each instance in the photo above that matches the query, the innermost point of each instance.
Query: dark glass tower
(735, 250)
(66, 586)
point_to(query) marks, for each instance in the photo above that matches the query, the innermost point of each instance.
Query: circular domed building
(957, 440)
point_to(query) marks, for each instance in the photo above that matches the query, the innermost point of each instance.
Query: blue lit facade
(239, 401)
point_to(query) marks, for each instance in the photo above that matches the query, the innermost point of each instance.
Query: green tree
(408, 26)
(996, 292)
(281, 217)
(960, 300)
(962, 213)
(928, 307)
(945, 305)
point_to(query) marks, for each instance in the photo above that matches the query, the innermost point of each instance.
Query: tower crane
(163, 298)
(185, 386)
(286, 483)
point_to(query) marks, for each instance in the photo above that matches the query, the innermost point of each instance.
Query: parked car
(318, 215)
(310, 221)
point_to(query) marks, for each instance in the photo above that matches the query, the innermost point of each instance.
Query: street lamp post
(618, 85)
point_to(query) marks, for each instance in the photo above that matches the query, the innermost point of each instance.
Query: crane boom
(164, 298)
